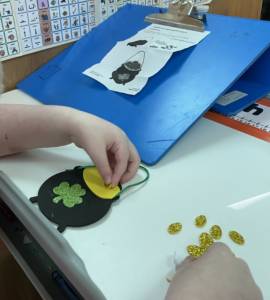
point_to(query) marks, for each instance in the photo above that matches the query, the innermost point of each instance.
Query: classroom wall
(241, 8)
(18, 68)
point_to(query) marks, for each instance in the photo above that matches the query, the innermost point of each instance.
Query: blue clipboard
(254, 85)
(174, 98)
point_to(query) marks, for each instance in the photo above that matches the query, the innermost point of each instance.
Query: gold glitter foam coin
(200, 221)
(175, 228)
(206, 240)
(237, 237)
(195, 251)
(216, 232)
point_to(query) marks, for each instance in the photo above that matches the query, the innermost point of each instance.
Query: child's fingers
(99, 157)
(121, 155)
(133, 164)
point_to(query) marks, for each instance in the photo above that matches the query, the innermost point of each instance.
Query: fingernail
(108, 180)
(113, 185)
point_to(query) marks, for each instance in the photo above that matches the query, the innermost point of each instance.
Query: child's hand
(24, 127)
(218, 274)
(108, 146)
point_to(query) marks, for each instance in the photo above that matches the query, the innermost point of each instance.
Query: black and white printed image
(130, 69)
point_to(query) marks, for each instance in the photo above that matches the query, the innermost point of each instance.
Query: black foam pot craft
(130, 69)
(75, 197)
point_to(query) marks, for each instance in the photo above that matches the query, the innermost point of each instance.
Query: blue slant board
(255, 83)
(173, 99)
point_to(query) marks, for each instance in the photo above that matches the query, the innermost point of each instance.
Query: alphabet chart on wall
(28, 26)
(46, 22)
(109, 7)
(9, 44)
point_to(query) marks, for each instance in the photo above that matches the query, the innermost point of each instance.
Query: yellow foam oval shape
(200, 221)
(206, 240)
(216, 232)
(174, 228)
(95, 183)
(236, 237)
(195, 251)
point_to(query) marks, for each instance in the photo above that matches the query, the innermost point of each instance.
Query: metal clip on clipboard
(186, 14)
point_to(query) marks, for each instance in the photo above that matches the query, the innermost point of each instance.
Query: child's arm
(25, 127)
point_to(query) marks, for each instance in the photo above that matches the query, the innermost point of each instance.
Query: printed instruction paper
(127, 67)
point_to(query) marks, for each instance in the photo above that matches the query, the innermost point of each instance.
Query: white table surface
(213, 170)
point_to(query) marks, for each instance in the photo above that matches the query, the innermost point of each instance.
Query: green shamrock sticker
(71, 195)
